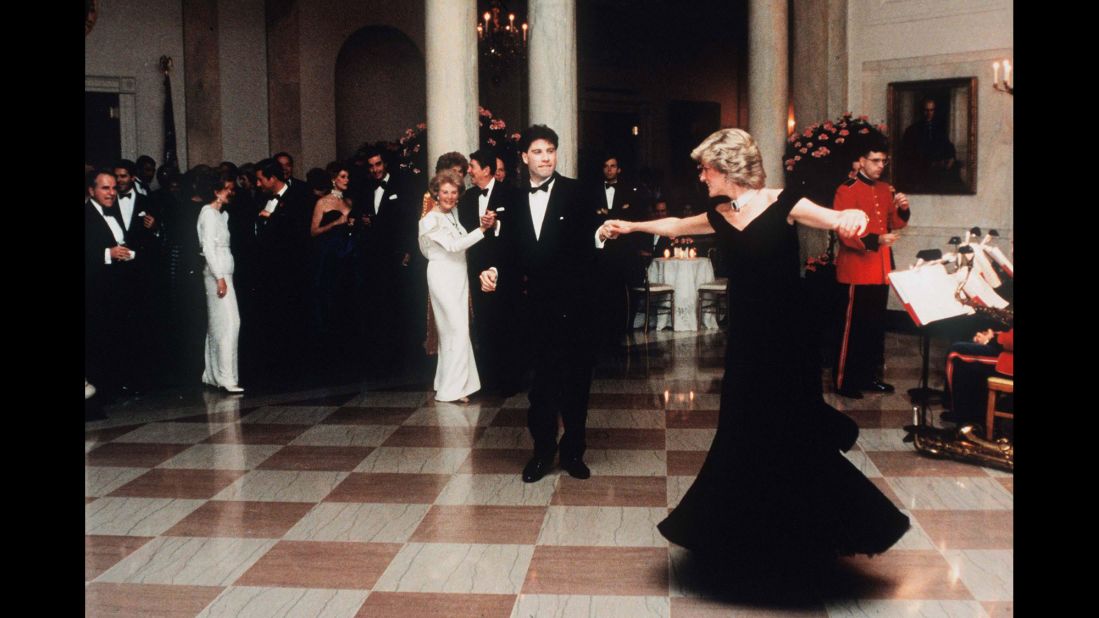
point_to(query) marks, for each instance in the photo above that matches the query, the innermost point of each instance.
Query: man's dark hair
(228, 166)
(271, 169)
(127, 165)
(536, 132)
(318, 179)
(450, 159)
(89, 178)
(249, 170)
(205, 182)
(609, 156)
(143, 159)
(485, 158)
(283, 153)
(871, 143)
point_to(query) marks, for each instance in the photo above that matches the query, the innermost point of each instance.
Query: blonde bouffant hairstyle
(446, 177)
(734, 153)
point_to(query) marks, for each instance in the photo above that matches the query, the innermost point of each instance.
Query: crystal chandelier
(502, 42)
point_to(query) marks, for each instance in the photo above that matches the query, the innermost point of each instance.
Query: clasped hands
(488, 220)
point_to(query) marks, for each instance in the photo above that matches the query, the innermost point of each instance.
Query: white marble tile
(632, 419)
(100, 481)
(951, 493)
(188, 561)
(887, 608)
(290, 415)
(603, 526)
(689, 439)
(450, 567)
(222, 456)
(862, 461)
(414, 460)
(136, 516)
(987, 573)
(344, 435)
(497, 489)
(282, 486)
(346, 521)
(585, 606)
(995, 472)
(453, 415)
(172, 433)
(389, 399)
(883, 440)
(915, 538)
(255, 602)
(677, 486)
(89, 445)
(505, 437)
(626, 462)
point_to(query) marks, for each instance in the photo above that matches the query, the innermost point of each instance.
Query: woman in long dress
(331, 254)
(223, 318)
(774, 483)
(444, 241)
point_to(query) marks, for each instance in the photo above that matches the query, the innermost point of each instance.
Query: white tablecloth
(685, 275)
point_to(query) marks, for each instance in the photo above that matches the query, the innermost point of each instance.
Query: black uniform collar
(865, 178)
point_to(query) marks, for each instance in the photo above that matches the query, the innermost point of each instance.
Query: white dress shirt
(274, 202)
(378, 193)
(116, 230)
(539, 200)
(610, 195)
(126, 207)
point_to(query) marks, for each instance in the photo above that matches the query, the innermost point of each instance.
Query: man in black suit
(111, 289)
(619, 266)
(493, 314)
(276, 326)
(547, 250)
(286, 162)
(388, 212)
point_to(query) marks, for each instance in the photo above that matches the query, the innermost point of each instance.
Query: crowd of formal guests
(250, 276)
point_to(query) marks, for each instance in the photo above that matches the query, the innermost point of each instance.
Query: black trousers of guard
(862, 342)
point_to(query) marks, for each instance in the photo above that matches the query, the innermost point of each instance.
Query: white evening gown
(443, 241)
(223, 318)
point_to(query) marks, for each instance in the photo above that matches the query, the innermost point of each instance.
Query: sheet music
(984, 268)
(980, 290)
(928, 293)
(998, 256)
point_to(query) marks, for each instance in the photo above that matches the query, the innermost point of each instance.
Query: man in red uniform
(968, 367)
(862, 264)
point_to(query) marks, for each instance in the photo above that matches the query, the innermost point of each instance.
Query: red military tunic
(862, 261)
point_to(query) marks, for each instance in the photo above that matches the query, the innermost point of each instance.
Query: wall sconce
(1006, 85)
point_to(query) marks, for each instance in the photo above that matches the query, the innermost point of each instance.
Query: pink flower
(797, 145)
(844, 132)
(807, 133)
(824, 151)
(789, 168)
(803, 150)
(882, 128)
(798, 157)
(808, 144)
(822, 136)
(847, 114)
(864, 131)
(484, 112)
(840, 140)
(416, 149)
(515, 136)
(491, 142)
(421, 126)
(864, 118)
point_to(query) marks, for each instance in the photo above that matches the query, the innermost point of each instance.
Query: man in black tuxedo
(618, 266)
(111, 289)
(494, 314)
(276, 327)
(146, 172)
(388, 213)
(547, 250)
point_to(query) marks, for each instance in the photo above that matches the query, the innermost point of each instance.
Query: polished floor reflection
(374, 500)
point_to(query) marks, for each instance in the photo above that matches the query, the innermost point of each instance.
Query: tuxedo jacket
(554, 271)
(393, 228)
(282, 238)
(104, 284)
(138, 237)
(503, 201)
(628, 203)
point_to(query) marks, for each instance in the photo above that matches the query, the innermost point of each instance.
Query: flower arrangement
(819, 158)
(410, 149)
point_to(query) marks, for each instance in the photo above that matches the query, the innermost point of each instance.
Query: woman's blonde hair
(734, 153)
(445, 177)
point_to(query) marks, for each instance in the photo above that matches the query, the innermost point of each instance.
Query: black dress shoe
(576, 468)
(878, 387)
(850, 393)
(536, 468)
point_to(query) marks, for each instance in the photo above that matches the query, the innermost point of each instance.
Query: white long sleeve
(435, 230)
(213, 236)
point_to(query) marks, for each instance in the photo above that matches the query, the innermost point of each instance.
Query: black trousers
(563, 355)
(862, 342)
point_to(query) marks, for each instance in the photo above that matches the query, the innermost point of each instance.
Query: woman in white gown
(444, 241)
(223, 318)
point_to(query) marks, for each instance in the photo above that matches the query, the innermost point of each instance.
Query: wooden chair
(654, 296)
(997, 385)
(711, 299)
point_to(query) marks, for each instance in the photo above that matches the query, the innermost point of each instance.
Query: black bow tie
(125, 195)
(383, 184)
(484, 191)
(608, 185)
(542, 187)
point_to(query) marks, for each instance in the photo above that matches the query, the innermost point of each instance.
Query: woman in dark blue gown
(774, 482)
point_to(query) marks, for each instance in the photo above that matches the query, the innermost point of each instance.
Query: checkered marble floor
(379, 501)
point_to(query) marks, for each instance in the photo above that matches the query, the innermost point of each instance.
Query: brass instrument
(963, 444)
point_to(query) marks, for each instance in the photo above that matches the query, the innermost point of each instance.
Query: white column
(767, 83)
(553, 86)
(451, 78)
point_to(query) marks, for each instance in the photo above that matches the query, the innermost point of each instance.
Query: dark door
(102, 128)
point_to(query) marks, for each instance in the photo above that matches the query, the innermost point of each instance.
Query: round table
(685, 275)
